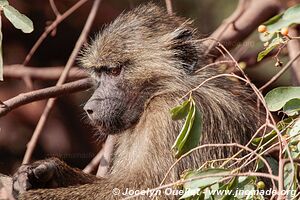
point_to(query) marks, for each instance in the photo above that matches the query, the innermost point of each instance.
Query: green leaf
(19, 20)
(190, 193)
(190, 133)
(294, 142)
(251, 189)
(239, 184)
(231, 187)
(292, 14)
(267, 138)
(194, 136)
(273, 20)
(292, 107)
(278, 97)
(181, 111)
(295, 130)
(192, 186)
(275, 24)
(190, 125)
(272, 162)
(272, 135)
(275, 42)
(184, 129)
(3, 2)
(290, 179)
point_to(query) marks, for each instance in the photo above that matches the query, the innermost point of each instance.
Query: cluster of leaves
(205, 188)
(274, 32)
(226, 187)
(219, 187)
(286, 99)
(19, 21)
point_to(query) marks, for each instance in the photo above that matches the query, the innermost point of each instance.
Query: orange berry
(262, 29)
(284, 31)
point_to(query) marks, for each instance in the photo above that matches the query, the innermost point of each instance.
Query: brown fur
(167, 54)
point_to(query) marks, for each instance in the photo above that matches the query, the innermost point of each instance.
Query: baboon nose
(89, 111)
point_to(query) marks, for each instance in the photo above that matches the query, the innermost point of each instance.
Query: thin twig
(94, 163)
(169, 6)
(182, 181)
(50, 103)
(49, 29)
(286, 67)
(52, 26)
(102, 159)
(54, 8)
(216, 145)
(293, 47)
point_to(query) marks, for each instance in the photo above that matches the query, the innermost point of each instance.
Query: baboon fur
(163, 59)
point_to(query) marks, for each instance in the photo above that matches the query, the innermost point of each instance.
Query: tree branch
(102, 159)
(44, 73)
(49, 29)
(45, 93)
(293, 48)
(50, 103)
(242, 23)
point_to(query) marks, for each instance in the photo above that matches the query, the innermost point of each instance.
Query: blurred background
(66, 135)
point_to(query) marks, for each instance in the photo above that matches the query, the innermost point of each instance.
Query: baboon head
(131, 60)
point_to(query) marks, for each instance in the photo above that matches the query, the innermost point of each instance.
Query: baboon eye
(98, 70)
(114, 71)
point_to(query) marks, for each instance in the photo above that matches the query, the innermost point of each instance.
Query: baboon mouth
(108, 128)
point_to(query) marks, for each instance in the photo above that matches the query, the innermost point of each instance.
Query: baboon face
(131, 60)
(115, 104)
(121, 85)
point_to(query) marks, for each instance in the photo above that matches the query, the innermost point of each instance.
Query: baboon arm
(68, 176)
(49, 173)
(103, 189)
(113, 187)
(84, 192)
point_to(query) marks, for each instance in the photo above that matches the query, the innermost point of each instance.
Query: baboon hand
(41, 174)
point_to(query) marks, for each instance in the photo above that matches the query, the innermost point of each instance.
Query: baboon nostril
(89, 111)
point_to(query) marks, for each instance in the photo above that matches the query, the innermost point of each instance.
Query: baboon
(142, 64)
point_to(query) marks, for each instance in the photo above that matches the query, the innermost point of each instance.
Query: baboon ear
(186, 50)
(184, 34)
